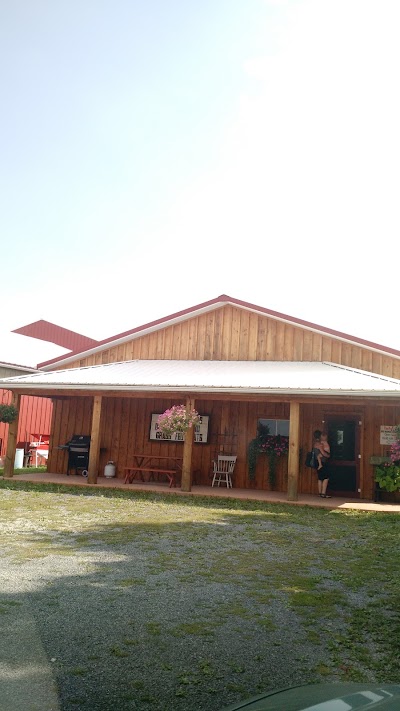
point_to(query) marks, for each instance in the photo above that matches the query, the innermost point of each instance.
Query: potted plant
(177, 419)
(387, 475)
(8, 413)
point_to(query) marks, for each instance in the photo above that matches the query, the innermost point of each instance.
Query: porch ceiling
(246, 377)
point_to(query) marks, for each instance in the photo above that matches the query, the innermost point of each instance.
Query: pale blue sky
(156, 154)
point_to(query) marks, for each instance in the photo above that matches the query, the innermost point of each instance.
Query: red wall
(34, 418)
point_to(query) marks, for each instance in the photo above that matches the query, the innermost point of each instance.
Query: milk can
(109, 470)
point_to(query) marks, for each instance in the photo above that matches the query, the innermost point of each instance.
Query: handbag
(311, 460)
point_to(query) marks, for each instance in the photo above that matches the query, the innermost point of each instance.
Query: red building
(34, 420)
(35, 413)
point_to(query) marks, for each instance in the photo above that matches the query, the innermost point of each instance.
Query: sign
(200, 431)
(389, 434)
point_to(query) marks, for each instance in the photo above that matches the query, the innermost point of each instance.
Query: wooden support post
(12, 440)
(186, 484)
(94, 454)
(294, 454)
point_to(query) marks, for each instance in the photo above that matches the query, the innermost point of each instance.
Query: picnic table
(149, 466)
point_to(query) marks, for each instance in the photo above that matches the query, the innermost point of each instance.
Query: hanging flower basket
(8, 413)
(273, 446)
(177, 419)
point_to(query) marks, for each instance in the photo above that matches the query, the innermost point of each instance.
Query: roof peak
(209, 306)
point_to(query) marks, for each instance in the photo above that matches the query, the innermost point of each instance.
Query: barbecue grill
(78, 453)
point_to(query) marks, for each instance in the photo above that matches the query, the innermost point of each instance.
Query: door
(344, 441)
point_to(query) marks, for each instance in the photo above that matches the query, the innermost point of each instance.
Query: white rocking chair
(222, 470)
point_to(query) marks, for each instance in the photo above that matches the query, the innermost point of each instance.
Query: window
(276, 427)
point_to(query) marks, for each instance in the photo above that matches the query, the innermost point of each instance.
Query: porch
(268, 497)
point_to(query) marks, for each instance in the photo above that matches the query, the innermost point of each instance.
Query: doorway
(344, 440)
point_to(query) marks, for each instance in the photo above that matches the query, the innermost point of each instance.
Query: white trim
(203, 389)
(25, 368)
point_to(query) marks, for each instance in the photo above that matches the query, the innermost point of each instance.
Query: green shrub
(388, 477)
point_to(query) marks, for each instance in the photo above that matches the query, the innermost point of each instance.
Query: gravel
(182, 616)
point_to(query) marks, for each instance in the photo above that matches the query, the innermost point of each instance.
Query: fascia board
(194, 389)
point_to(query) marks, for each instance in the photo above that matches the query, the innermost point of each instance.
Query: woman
(320, 447)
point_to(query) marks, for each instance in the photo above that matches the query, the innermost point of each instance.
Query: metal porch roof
(269, 377)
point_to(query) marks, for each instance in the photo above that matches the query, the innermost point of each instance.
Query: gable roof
(234, 377)
(205, 307)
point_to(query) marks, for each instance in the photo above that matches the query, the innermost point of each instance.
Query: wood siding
(126, 425)
(231, 333)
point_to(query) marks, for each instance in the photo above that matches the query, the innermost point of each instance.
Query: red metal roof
(46, 331)
(213, 303)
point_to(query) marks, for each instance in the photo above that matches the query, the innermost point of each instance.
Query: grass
(189, 603)
(26, 470)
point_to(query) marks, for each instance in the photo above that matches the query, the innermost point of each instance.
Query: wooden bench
(131, 473)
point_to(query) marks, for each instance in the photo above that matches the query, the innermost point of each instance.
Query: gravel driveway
(133, 604)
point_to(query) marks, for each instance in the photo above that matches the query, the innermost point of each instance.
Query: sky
(157, 154)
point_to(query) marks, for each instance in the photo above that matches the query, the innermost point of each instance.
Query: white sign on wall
(200, 431)
(389, 434)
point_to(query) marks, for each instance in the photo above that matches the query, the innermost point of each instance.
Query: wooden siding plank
(387, 368)
(376, 363)
(235, 335)
(201, 336)
(316, 351)
(298, 342)
(253, 337)
(326, 351)
(192, 345)
(279, 341)
(176, 342)
(168, 339)
(227, 316)
(396, 369)
(261, 339)
(356, 357)
(307, 346)
(288, 343)
(366, 360)
(184, 351)
(336, 352)
(210, 323)
(144, 348)
(244, 335)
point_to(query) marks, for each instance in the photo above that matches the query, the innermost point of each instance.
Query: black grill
(78, 453)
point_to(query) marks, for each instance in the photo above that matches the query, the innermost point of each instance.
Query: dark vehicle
(326, 697)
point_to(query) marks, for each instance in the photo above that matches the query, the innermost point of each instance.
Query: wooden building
(237, 364)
